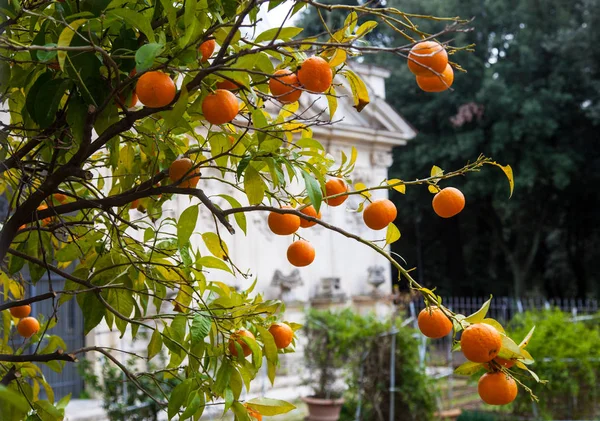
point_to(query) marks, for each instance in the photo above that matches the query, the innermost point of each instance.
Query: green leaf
(270, 352)
(223, 376)
(13, 398)
(240, 412)
(174, 116)
(275, 33)
(313, 190)
(178, 396)
(48, 100)
(194, 404)
(494, 323)
(47, 55)
(270, 407)
(200, 328)
(145, 55)
(510, 350)
(240, 217)
(186, 224)
(229, 398)
(254, 186)
(190, 21)
(93, 311)
(65, 38)
(468, 368)
(155, 344)
(480, 314)
(527, 338)
(135, 19)
(214, 263)
(392, 234)
(360, 94)
(47, 412)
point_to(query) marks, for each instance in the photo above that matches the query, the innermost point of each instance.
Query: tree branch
(37, 298)
(39, 358)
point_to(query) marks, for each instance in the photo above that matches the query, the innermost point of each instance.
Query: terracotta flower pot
(323, 409)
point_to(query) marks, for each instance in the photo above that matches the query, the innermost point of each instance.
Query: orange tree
(116, 105)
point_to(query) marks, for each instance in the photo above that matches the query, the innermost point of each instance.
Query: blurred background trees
(530, 99)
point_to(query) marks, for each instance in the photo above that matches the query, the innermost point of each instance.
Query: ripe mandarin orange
(284, 86)
(236, 337)
(220, 107)
(436, 83)
(155, 89)
(448, 202)
(301, 253)
(336, 186)
(282, 334)
(20, 311)
(504, 362)
(28, 327)
(59, 197)
(182, 168)
(45, 221)
(379, 213)
(227, 85)
(134, 204)
(427, 55)
(480, 343)
(433, 323)
(315, 74)
(206, 49)
(310, 211)
(283, 223)
(497, 388)
(132, 102)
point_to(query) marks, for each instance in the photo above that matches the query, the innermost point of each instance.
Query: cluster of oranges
(27, 326)
(281, 332)
(428, 61)
(480, 343)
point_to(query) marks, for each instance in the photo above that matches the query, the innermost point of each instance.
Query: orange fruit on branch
(448, 202)
(497, 388)
(480, 343)
(315, 74)
(28, 327)
(59, 197)
(284, 86)
(220, 107)
(254, 414)
(333, 187)
(282, 335)
(310, 211)
(132, 102)
(283, 223)
(427, 56)
(206, 49)
(20, 311)
(45, 221)
(182, 168)
(134, 204)
(433, 323)
(301, 253)
(437, 83)
(236, 337)
(379, 213)
(504, 362)
(155, 89)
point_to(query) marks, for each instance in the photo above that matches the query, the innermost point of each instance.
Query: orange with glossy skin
(206, 49)
(28, 327)
(282, 334)
(284, 86)
(283, 223)
(20, 311)
(220, 107)
(310, 211)
(433, 323)
(480, 343)
(315, 74)
(227, 85)
(448, 202)
(182, 168)
(427, 55)
(436, 83)
(497, 388)
(155, 89)
(379, 213)
(236, 337)
(301, 253)
(336, 186)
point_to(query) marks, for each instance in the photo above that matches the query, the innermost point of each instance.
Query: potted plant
(326, 352)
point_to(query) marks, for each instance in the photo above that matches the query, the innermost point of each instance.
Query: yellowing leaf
(494, 323)
(365, 28)
(507, 169)
(331, 102)
(215, 245)
(510, 350)
(392, 234)
(254, 186)
(64, 40)
(362, 186)
(436, 171)
(339, 57)
(270, 407)
(433, 189)
(395, 183)
(468, 368)
(480, 314)
(527, 338)
(360, 93)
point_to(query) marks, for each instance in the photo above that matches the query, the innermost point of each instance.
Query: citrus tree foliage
(78, 153)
